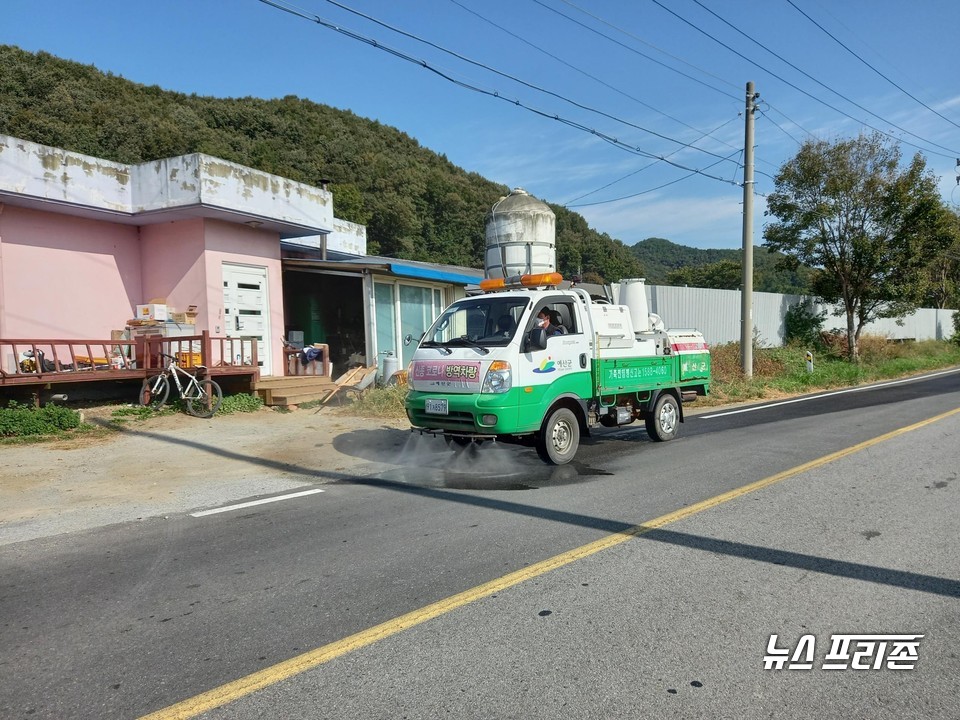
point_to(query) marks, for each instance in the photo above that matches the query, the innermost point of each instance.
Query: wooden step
(280, 390)
(293, 381)
(289, 399)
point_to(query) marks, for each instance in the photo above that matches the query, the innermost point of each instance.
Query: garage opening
(327, 308)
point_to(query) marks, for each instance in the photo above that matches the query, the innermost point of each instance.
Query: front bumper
(468, 414)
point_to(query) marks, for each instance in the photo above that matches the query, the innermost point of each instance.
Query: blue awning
(434, 273)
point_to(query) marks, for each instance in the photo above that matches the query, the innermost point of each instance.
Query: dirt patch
(173, 462)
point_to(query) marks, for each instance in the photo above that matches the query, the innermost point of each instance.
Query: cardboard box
(152, 311)
(184, 318)
(189, 359)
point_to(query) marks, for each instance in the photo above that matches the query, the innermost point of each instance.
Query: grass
(783, 371)
(381, 402)
(21, 423)
(778, 372)
(241, 402)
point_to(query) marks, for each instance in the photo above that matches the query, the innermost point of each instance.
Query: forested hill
(667, 263)
(415, 203)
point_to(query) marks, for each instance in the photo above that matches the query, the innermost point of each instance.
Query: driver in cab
(543, 321)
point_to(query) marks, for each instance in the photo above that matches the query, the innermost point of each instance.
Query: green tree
(666, 263)
(415, 203)
(939, 248)
(348, 203)
(723, 275)
(844, 208)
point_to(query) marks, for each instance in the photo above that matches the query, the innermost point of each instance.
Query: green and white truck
(484, 370)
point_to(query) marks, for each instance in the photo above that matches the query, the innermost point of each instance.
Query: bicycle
(201, 395)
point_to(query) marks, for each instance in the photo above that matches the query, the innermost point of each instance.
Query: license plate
(437, 407)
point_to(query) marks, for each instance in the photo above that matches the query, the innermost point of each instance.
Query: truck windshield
(477, 322)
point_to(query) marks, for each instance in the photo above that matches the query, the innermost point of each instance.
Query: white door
(246, 310)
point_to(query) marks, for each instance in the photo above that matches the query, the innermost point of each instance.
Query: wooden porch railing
(34, 361)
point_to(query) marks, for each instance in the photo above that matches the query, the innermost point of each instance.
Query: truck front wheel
(664, 422)
(559, 439)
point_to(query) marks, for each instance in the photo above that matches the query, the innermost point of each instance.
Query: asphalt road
(644, 579)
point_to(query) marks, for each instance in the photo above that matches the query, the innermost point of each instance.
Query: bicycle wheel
(206, 402)
(154, 391)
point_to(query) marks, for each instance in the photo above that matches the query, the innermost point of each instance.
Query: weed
(134, 412)
(381, 402)
(241, 402)
(24, 420)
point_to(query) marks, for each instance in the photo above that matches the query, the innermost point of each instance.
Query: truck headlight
(499, 379)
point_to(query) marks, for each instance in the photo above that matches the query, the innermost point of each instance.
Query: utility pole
(746, 291)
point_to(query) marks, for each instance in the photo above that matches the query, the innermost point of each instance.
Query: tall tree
(723, 275)
(846, 208)
(940, 249)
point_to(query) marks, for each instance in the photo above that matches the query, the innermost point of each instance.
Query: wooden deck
(46, 363)
(51, 366)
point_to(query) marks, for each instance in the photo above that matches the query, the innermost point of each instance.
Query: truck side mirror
(537, 339)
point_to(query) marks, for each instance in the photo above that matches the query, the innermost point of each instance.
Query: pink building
(84, 241)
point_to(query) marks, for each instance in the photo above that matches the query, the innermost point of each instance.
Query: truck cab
(484, 369)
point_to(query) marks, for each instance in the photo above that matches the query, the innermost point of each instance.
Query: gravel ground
(176, 463)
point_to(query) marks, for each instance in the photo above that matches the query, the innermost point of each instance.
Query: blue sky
(664, 78)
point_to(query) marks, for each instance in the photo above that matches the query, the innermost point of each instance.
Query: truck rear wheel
(559, 439)
(664, 422)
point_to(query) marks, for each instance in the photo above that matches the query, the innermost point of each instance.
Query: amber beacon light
(526, 281)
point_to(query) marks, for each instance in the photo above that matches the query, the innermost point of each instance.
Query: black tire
(664, 422)
(154, 391)
(559, 439)
(208, 401)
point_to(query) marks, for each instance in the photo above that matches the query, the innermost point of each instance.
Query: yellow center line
(231, 691)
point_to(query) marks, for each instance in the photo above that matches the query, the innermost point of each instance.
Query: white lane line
(239, 506)
(829, 394)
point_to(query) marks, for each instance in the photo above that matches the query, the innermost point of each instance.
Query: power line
(787, 118)
(801, 90)
(808, 75)
(602, 82)
(516, 79)
(645, 167)
(279, 5)
(642, 192)
(777, 125)
(584, 72)
(905, 92)
(637, 52)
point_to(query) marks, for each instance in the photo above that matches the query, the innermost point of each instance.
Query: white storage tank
(633, 294)
(521, 237)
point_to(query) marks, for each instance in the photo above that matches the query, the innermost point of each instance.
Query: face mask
(541, 322)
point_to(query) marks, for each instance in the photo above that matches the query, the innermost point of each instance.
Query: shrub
(20, 420)
(834, 343)
(802, 325)
(242, 402)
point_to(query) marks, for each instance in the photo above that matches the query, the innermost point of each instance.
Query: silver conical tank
(521, 237)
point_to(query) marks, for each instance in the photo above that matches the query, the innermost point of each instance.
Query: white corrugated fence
(716, 313)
